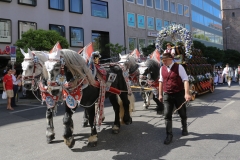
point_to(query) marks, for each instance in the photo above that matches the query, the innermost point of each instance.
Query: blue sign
(150, 23)
(141, 21)
(131, 19)
(13, 51)
(158, 24)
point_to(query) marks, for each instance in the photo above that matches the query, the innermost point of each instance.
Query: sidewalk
(3, 102)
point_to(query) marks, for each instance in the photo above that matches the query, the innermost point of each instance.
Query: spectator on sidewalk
(15, 79)
(8, 87)
(228, 72)
(237, 74)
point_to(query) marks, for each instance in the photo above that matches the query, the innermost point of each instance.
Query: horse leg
(92, 140)
(85, 118)
(126, 118)
(116, 108)
(50, 128)
(145, 105)
(160, 106)
(68, 128)
(149, 96)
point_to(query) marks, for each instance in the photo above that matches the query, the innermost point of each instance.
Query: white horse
(34, 72)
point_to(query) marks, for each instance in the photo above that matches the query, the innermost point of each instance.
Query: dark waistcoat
(172, 82)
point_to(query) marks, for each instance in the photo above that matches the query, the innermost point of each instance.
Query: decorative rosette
(172, 31)
(61, 79)
(35, 59)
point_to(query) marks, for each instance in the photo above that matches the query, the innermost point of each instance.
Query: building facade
(231, 24)
(207, 22)
(145, 18)
(79, 21)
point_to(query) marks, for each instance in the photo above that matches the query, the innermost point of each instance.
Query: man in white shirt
(228, 72)
(173, 92)
(170, 49)
(15, 87)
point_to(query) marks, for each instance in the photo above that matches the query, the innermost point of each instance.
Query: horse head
(33, 67)
(149, 72)
(130, 63)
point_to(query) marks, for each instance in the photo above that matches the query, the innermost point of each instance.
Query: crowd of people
(226, 75)
(11, 85)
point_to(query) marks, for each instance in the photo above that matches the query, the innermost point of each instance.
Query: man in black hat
(170, 49)
(173, 91)
(237, 74)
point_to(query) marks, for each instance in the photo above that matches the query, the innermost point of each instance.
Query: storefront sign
(152, 34)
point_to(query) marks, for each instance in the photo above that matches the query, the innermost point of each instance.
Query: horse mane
(131, 64)
(154, 67)
(77, 65)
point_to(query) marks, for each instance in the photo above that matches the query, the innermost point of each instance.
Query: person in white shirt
(228, 72)
(170, 49)
(237, 74)
(15, 87)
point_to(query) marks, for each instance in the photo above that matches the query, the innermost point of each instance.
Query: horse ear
(30, 53)
(120, 55)
(22, 51)
(45, 54)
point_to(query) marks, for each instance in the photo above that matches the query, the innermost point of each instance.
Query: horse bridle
(34, 77)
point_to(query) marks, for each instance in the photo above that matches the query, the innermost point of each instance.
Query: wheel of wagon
(212, 85)
(192, 91)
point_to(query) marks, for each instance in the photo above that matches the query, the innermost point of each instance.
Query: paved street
(214, 132)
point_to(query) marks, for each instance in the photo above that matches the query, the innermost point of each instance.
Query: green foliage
(199, 45)
(39, 40)
(148, 50)
(115, 49)
(201, 36)
(213, 55)
(232, 57)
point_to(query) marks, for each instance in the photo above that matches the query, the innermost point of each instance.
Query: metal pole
(226, 38)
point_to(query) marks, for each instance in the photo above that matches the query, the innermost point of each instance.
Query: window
(141, 44)
(216, 12)
(187, 26)
(166, 23)
(5, 31)
(131, 43)
(56, 4)
(131, 20)
(186, 11)
(140, 2)
(141, 21)
(76, 6)
(132, 1)
(180, 9)
(100, 39)
(28, 2)
(76, 37)
(166, 5)
(173, 7)
(173, 23)
(150, 3)
(151, 41)
(6, 0)
(99, 8)
(24, 26)
(158, 24)
(158, 4)
(58, 28)
(150, 23)
(207, 7)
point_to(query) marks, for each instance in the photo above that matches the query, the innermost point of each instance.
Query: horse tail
(131, 99)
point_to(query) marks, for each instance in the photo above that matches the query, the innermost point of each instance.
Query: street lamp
(226, 35)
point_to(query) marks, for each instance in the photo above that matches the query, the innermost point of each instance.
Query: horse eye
(56, 70)
(30, 67)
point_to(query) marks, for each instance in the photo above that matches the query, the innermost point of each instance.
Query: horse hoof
(72, 144)
(50, 138)
(85, 124)
(145, 106)
(92, 144)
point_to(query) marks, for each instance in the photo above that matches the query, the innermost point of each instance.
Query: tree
(39, 40)
(232, 57)
(199, 45)
(115, 49)
(213, 55)
(148, 50)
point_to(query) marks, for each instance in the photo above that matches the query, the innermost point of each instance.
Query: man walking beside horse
(173, 91)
